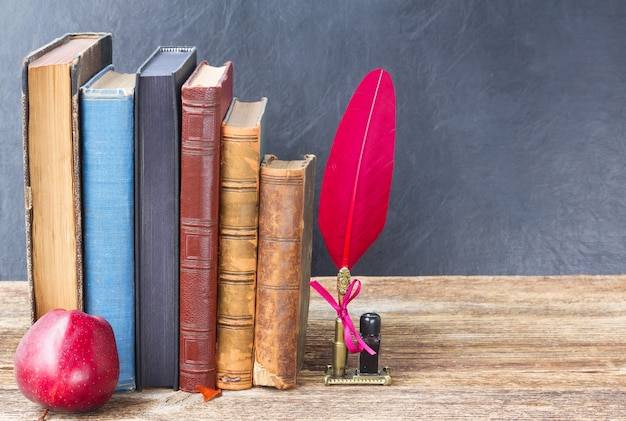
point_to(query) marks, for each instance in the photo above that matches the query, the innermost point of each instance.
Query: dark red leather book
(206, 96)
(157, 213)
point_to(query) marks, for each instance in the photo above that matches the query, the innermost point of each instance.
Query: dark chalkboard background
(511, 115)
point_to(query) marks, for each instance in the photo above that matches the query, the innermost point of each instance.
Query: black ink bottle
(370, 333)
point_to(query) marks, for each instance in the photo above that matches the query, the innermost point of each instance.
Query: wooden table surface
(459, 348)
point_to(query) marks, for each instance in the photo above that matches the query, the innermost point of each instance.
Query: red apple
(67, 361)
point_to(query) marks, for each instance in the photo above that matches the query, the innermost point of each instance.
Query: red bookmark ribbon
(349, 331)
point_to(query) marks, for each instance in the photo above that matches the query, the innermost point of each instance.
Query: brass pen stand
(336, 373)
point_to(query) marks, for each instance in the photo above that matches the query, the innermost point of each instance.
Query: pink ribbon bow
(349, 330)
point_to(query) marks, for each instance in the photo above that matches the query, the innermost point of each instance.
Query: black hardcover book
(158, 113)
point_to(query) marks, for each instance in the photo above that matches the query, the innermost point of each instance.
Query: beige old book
(52, 76)
(242, 145)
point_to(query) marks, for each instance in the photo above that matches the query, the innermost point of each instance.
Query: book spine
(108, 218)
(157, 232)
(92, 60)
(239, 195)
(199, 213)
(158, 225)
(285, 227)
(28, 193)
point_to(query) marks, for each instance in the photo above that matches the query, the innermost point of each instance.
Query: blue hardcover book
(107, 121)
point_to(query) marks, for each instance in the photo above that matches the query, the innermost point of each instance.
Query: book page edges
(104, 46)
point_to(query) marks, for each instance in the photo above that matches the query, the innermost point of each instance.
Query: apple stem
(43, 416)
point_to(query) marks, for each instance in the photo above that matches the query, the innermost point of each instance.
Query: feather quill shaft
(357, 178)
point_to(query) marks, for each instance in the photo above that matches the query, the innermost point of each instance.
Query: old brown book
(242, 145)
(284, 269)
(52, 76)
(206, 96)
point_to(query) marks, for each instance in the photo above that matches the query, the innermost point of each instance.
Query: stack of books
(150, 201)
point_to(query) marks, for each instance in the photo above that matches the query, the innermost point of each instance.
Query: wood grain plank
(459, 347)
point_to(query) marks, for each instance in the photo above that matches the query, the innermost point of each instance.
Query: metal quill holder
(340, 351)
(337, 373)
(352, 210)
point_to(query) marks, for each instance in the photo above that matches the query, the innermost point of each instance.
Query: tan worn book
(242, 145)
(51, 77)
(283, 270)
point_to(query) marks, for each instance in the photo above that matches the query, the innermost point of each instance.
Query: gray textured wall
(510, 126)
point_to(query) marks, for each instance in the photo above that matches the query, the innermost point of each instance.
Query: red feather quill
(357, 179)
